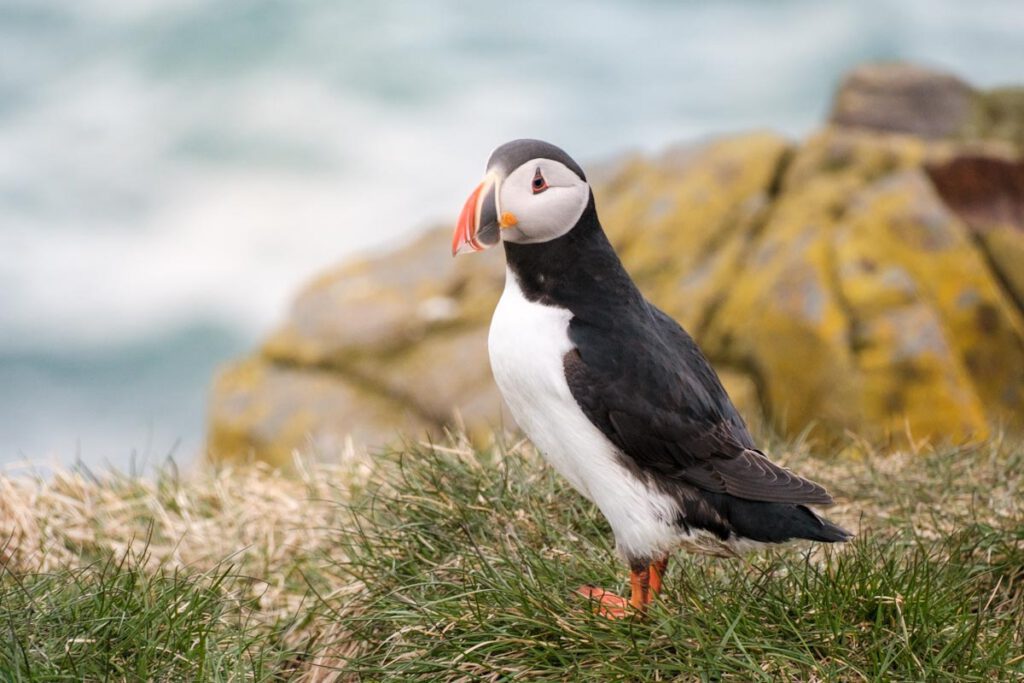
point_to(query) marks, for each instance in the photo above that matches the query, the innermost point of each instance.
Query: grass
(449, 563)
(114, 620)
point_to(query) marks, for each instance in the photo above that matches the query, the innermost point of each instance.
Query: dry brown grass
(255, 516)
(275, 528)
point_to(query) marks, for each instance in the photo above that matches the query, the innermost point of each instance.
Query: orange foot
(606, 603)
(645, 582)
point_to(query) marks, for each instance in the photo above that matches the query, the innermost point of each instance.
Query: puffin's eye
(539, 184)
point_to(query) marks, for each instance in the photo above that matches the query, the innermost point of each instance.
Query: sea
(172, 171)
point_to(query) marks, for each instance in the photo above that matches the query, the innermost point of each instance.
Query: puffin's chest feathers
(528, 342)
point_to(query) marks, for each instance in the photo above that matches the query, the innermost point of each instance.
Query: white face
(545, 198)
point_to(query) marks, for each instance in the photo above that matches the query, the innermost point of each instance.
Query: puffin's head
(532, 192)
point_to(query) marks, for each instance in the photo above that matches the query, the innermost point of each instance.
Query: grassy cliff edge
(441, 562)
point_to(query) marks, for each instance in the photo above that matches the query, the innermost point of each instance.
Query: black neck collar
(576, 271)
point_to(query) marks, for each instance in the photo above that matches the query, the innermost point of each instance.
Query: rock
(780, 316)
(879, 293)
(987, 190)
(384, 305)
(932, 105)
(376, 350)
(1004, 245)
(1001, 115)
(681, 221)
(866, 280)
(268, 411)
(928, 348)
(903, 98)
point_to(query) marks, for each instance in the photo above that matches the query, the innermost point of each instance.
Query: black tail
(775, 522)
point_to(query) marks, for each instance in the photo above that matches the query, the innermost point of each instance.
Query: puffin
(613, 392)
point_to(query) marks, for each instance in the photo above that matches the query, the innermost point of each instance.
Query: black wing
(648, 387)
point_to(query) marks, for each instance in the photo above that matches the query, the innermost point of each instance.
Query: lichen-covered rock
(986, 188)
(874, 310)
(915, 289)
(983, 325)
(268, 411)
(384, 305)
(681, 221)
(1004, 245)
(870, 280)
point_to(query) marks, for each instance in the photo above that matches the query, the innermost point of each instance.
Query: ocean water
(171, 171)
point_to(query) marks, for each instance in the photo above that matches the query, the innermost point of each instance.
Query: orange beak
(478, 226)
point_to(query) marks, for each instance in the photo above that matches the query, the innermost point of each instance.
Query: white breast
(527, 344)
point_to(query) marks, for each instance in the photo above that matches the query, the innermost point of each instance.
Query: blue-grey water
(172, 170)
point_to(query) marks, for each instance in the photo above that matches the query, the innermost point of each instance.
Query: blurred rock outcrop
(870, 279)
(903, 98)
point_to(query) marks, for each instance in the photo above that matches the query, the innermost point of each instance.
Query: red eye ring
(538, 184)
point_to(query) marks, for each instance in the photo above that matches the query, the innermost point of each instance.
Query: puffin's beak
(478, 226)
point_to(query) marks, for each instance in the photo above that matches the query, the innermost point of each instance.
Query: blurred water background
(172, 170)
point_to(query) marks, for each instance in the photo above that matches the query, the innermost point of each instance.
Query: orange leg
(640, 588)
(658, 574)
(644, 583)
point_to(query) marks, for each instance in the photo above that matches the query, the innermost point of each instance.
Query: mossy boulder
(868, 280)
